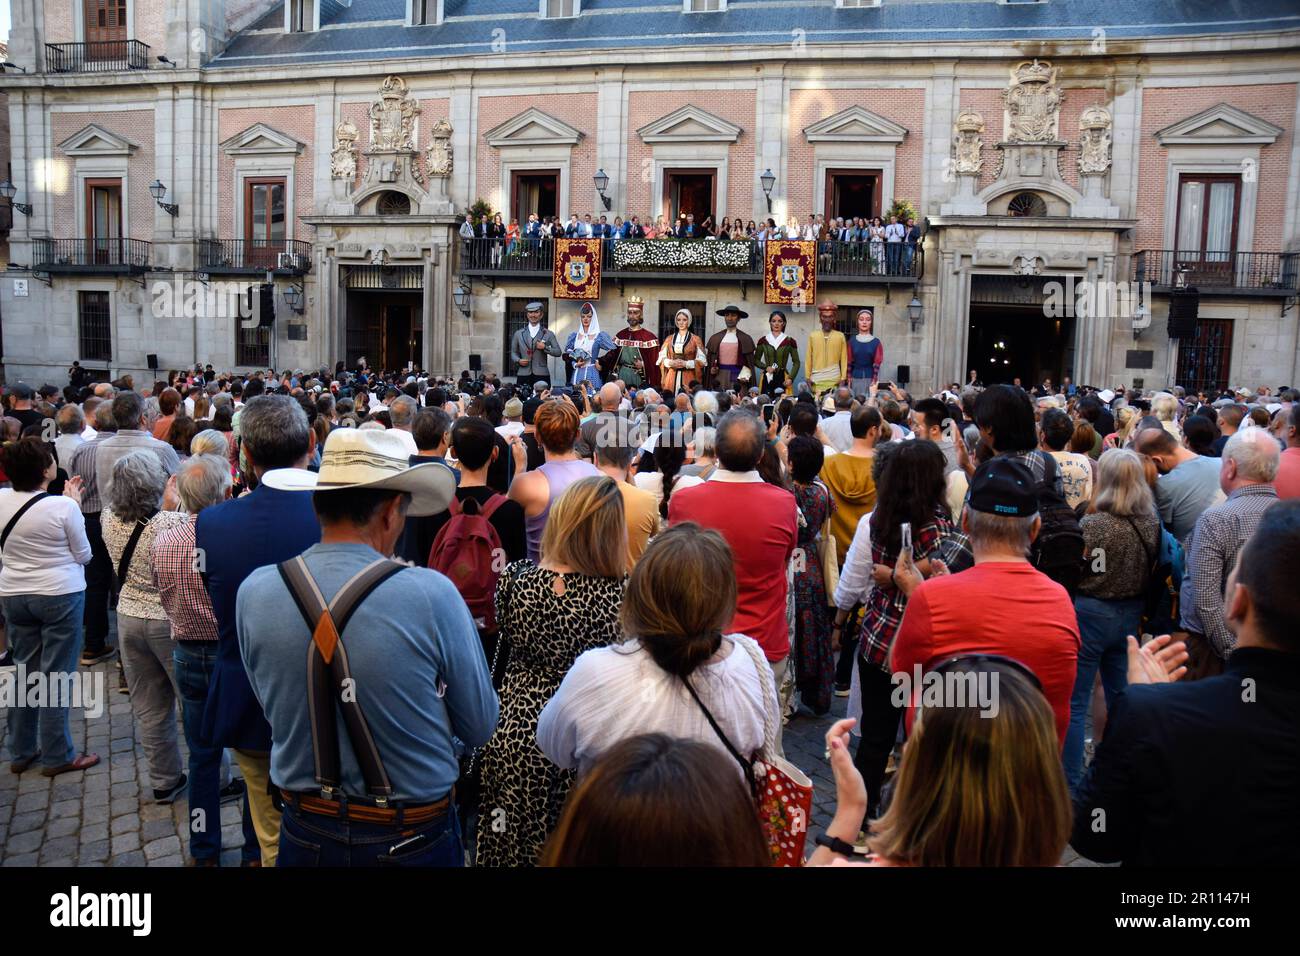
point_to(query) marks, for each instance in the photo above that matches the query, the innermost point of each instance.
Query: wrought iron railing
(1206, 271)
(742, 257)
(254, 255)
(97, 56)
(94, 255)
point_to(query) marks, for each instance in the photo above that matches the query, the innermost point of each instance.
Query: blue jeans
(45, 637)
(893, 257)
(193, 662)
(1104, 627)
(312, 839)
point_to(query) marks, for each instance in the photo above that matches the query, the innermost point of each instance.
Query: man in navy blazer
(234, 539)
(1208, 773)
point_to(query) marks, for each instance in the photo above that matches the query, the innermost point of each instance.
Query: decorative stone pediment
(1221, 125)
(855, 125)
(261, 140)
(533, 127)
(94, 140)
(690, 124)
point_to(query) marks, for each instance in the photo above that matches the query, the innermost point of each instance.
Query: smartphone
(905, 534)
(768, 410)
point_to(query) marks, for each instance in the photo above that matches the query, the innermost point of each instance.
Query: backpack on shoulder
(1058, 549)
(465, 550)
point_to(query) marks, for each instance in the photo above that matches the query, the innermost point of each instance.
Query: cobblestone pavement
(106, 816)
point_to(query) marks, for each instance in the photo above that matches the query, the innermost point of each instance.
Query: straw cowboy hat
(375, 459)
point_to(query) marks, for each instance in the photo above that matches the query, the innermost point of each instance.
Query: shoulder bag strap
(329, 677)
(746, 766)
(4, 535)
(124, 564)
(770, 717)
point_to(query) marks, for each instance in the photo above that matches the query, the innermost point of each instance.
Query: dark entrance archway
(1012, 335)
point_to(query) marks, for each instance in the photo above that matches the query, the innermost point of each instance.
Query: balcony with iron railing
(96, 56)
(691, 259)
(91, 256)
(253, 256)
(1219, 273)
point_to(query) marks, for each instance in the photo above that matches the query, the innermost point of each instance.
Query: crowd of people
(886, 245)
(550, 622)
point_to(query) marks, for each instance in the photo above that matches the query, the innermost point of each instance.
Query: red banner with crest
(576, 274)
(790, 272)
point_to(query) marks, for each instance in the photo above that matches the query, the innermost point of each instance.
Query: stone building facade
(329, 148)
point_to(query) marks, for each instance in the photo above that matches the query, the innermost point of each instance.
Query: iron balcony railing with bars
(692, 258)
(1221, 273)
(252, 256)
(96, 56)
(91, 255)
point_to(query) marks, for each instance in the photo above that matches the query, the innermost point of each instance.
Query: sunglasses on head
(982, 662)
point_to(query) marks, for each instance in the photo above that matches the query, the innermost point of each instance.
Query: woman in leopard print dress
(549, 614)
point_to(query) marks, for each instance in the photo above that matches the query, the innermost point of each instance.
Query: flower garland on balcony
(671, 255)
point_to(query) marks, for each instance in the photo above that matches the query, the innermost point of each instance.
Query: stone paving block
(26, 822)
(125, 843)
(61, 828)
(122, 745)
(93, 832)
(22, 859)
(93, 852)
(127, 823)
(157, 829)
(133, 858)
(122, 790)
(33, 781)
(155, 811)
(123, 773)
(66, 791)
(63, 848)
(95, 796)
(95, 814)
(157, 849)
(65, 808)
(123, 805)
(28, 842)
(28, 802)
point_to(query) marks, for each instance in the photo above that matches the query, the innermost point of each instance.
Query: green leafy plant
(482, 209)
(903, 209)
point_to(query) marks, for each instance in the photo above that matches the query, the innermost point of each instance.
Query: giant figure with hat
(531, 346)
(731, 352)
(635, 360)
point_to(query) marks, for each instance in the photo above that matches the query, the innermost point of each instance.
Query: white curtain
(1218, 234)
(1191, 204)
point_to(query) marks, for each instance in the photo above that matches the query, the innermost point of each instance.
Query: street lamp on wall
(293, 298)
(157, 190)
(914, 310)
(8, 190)
(602, 183)
(460, 295)
(768, 180)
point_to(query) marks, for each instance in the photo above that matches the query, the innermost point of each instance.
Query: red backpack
(465, 551)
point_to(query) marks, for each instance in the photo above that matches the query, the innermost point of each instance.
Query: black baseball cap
(1003, 486)
(21, 391)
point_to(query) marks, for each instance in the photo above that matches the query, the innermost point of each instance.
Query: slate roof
(373, 29)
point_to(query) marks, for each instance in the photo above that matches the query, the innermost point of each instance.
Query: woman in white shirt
(43, 588)
(675, 663)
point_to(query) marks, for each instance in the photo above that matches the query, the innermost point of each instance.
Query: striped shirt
(83, 466)
(1212, 550)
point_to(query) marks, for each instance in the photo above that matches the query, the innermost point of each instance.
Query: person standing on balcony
(682, 357)
(876, 238)
(894, 234)
(910, 240)
(828, 353)
(585, 346)
(530, 347)
(731, 353)
(636, 360)
(777, 356)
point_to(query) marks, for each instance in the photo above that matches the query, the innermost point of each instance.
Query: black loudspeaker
(152, 361)
(904, 374)
(475, 363)
(1184, 306)
(266, 306)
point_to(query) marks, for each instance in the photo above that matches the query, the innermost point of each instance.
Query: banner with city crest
(576, 274)
(790, 272)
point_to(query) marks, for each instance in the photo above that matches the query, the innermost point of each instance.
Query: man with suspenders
(370, 671)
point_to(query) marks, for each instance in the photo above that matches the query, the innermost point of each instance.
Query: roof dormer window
(299, 16)
(423, 13)
(704, 6)
(559, 9)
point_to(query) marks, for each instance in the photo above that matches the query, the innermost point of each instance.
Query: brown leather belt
(366, 813)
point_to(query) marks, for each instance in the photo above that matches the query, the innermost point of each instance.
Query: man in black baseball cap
(1003, 607)
(21, 408)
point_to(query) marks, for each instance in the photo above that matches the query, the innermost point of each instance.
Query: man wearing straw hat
(367, 668)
